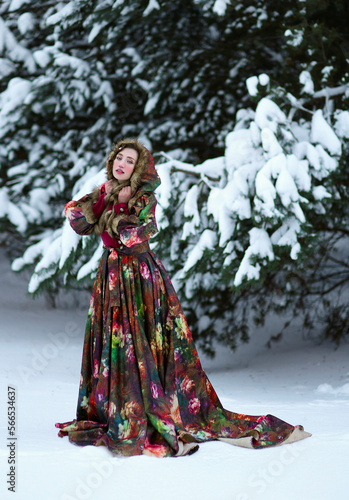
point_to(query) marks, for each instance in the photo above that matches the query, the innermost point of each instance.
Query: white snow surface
(298, 381)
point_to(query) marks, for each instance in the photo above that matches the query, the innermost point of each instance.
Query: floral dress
(142, 387)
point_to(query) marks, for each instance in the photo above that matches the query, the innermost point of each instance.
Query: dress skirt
(142, 387)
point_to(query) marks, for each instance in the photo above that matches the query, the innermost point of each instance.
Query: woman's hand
(124, 195)
(108, 186)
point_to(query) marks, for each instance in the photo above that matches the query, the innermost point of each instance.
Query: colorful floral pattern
(142, 386)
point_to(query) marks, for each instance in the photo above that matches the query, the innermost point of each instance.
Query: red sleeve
(121, 208)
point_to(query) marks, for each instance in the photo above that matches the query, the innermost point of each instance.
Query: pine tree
(80, 74)
(75, 76)
(266, 226)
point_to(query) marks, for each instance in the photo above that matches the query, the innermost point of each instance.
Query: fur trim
(141, 165)
(115, 223)
(144, 179)
(86, 206)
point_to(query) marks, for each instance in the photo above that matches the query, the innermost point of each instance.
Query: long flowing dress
(142, 387)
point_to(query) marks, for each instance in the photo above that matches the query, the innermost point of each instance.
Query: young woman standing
(142, 386)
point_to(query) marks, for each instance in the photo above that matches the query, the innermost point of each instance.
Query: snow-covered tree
(53, 117)
(264, 224)
(77, 75)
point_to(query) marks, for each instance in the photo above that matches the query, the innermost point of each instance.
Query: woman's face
(124, 164)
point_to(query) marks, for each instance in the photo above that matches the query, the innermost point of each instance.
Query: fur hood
(144, 179)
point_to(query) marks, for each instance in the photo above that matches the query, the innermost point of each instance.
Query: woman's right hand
(108, 186)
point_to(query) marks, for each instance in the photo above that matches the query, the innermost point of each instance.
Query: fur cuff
(87, 210)
(113, 229)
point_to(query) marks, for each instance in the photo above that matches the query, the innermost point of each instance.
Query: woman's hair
(142, 160)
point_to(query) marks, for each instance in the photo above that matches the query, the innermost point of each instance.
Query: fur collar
(144, 179)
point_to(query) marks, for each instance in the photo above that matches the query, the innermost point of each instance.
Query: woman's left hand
(125, 195)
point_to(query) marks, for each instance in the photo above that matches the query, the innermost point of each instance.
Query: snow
(43, 270)
(15, 51)
(42, 57)
(69, 241)
(163, 192)
(299, 170)
(97, 28)
(269, 115)
(328, 389)
(239, 149)
(91, 266)
(13, 213)
(253, 81)
(17, 4)
(133, 54)
(26, 22)
(220, 6)
(286, 234)
(294, 38)
(207, 240)
(191, 210)
(306, 150)
(270, 144)
(265, 190)
(260, 245)
(151, 103)
(20, 169)
(220, 204)
(117, 3)
(40, 198)
(328, 164)
(82, 68)
(152, 5)
(264, 79)
(59, 16)
(6, 67)
(322, 133)
(319, 193)
(10, 100)
(32, 253)
(252, 85)
(286, 188)
(306, 80)
(342, 124)
(267, 164)
(299, 381)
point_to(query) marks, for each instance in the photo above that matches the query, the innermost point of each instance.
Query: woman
(142, 386)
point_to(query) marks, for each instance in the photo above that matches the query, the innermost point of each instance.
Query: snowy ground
(301, 383)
